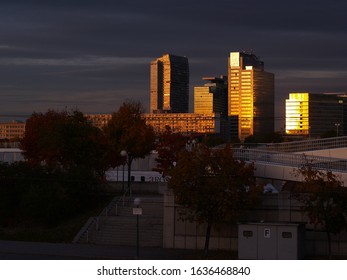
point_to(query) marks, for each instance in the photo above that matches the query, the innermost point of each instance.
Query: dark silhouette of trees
(169, 146)
(324, 199)
(64, 140)
(128, 131)
(66, 156)
(213, 187)
(33, 195)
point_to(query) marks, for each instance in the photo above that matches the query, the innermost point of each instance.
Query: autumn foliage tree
(324, 199)
(64, 140)
(168, 147)
(128, 131)
(213, 187)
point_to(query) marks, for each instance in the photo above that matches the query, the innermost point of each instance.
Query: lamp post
(124, 153)
(190, 145)
(137, 211)
(337, 129)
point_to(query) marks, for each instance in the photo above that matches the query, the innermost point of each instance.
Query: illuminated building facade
(212, 97)
(186, 123)
(297, 115)
(12, 130)
(99, 120)
(169, 85)
(313, 115)
(250, 96)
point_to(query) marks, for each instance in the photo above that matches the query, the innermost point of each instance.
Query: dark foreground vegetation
(38, 205)
(59, 185)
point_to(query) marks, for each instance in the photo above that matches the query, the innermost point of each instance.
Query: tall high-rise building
(251, 100)
(212, 97)
(169, 86)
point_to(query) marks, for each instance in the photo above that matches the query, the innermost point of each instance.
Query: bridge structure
(282, 160)
(284, 166)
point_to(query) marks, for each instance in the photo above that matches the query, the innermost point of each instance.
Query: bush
(33, 196)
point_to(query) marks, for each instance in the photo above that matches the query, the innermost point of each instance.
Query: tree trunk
(207, 239)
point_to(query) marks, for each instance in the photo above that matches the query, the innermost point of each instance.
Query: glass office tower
(212, 97)
(169, 86)
(250, 96)
(313, 115)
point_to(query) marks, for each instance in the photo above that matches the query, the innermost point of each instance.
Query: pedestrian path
(120, 227)
(20, 250)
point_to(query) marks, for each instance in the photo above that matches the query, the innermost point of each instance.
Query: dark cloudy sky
(93, 55)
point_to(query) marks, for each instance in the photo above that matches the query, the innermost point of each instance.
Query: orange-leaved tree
(169, 146)
(213, 187)
(127, 131)
(64, 140)
(323, 198)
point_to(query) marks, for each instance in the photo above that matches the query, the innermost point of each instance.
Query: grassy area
(63, 232)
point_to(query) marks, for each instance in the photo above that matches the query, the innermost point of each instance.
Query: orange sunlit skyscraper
(250, 96)
(169, 87)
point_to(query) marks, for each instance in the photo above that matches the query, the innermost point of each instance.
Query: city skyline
(94, 56)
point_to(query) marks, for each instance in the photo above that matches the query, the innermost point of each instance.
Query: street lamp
(190, 145)
(337, 129)
(137, 211)
(124, 153)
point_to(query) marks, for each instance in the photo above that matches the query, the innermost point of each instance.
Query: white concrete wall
(10, 155)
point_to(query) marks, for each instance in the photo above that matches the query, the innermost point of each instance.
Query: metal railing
(308, 145)
(6, 144)
(93, 224)
(287, 159)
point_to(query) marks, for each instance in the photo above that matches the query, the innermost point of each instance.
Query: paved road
(18, 250)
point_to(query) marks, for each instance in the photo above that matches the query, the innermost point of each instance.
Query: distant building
(251, 99)
(342, 128)
(314, 114)
(212, 97)
(12, 130)
(185, 123)
(169, 85)
(99, 120)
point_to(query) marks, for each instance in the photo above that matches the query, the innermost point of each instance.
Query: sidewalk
(20, 250)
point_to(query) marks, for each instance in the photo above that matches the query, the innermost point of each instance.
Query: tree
(128, 131)
(31, 195)
(212, 140)
(213, 187)
(324, 200)
(64, 140)
(168, 147)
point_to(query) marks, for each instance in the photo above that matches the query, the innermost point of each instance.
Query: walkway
(19, 250)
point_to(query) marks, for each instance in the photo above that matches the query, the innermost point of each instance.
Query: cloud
(78, 61)
(70, 51)
(311, 74)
